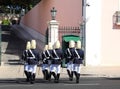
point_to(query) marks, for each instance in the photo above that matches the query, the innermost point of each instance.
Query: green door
(67, 38)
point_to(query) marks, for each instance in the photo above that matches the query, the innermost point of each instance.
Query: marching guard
(24, 58)
(55, 66)
(69, 53)
(45, 65)
(33, 61)
(32, 57)
(49, 51)
(78, 58)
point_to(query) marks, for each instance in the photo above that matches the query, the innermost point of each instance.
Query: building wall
(93, 32)
(69, 13)
(102, 40)
(110, 37)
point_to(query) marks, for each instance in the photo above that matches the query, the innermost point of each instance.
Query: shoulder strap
(44, 54)
(48, 53)
(55, 53)
(26, 52)
(33, 56)
(77, 53)
(69, 52)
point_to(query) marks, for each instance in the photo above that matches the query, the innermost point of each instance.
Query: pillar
(53, 26)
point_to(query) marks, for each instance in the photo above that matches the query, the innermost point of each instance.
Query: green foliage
(26, 4)
(6, 22)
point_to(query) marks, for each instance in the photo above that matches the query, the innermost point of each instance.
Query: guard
(33, 59)
(24, 58)
(78, 58)
(69, 54)
(49, 51)
(55, 66)
(45, 65)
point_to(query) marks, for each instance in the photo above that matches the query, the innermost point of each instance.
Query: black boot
(55, 77)
(27, 76)
(69, 74)
(58, 76)
(72, 76)
(31, 78)
(44, 74)
(77, 77)
(34, 76)
(49, 76)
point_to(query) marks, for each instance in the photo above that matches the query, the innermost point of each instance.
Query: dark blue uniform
(45, 66)
(33, 58)
(69, 53)
(78, 58)
(24, 58)
(57, 56)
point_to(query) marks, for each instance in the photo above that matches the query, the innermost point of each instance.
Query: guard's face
(71, 44)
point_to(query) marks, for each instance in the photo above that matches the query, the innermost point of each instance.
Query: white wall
(102, 40)
(110, 37)
(93, 32)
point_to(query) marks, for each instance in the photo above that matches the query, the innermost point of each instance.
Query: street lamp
(53, 13)
(0, 45)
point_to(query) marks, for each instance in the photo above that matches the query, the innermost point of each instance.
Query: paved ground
(85, 83)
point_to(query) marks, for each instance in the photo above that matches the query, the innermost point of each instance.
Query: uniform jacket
(69, 54)
(78, 56)
(45, 57)
(57, 56)
(29, 58)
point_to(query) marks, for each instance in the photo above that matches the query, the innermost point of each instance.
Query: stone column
(53, 26)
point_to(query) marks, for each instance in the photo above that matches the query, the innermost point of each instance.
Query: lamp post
(0, 45)
(82, 34)
(53, 13)
(83, 27)
(53, 26)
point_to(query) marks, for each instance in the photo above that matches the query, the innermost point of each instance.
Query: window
(117, 18)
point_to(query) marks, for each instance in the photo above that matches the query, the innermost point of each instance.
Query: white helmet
(33, 44)
(46, 47)
(28, 45)
(50, 47)
(57, 44)
(78, 46)
(71, 44)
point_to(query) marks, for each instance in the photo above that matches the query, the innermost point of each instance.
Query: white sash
(77, 53)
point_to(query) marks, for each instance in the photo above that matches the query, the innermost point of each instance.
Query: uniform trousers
(45, 66)
(26, 67)
(55, 68)
(70, 66)
(77, 68)
(30, 68)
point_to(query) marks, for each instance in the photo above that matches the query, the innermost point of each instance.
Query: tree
(19, 3)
